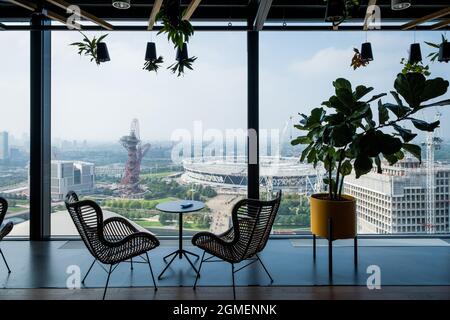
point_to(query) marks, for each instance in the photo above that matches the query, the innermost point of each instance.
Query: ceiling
(231, 10)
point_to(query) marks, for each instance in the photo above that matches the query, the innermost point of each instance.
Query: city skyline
(155, 99)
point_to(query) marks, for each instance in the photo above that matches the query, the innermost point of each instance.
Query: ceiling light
(400, 4)
(121, 4)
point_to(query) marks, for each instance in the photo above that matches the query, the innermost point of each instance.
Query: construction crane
(432, 143)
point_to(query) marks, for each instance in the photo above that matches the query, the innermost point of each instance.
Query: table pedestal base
(180, 253)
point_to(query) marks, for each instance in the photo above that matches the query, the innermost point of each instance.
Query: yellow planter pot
(342, 214)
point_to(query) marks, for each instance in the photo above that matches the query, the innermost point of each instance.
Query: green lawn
(16, 209)
(148, 224)
(291, 227)
(157, 175)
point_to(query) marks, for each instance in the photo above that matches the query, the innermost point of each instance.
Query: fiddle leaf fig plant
(416, 67)
(88, 47)
(343, 135)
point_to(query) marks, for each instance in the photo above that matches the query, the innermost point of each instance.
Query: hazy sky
(98, 103)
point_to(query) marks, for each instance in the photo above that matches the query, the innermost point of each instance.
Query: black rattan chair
(110, 241)
(252, 224)
(6, 229)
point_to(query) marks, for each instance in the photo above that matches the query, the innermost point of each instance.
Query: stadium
(287, 174)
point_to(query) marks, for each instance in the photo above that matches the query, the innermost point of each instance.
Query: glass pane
(297, 71)
(15, 128)
(180, 129)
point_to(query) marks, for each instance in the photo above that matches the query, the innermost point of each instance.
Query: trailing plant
(435, 55)
(178, 30)
(358, 61)
(154, 64)
(343, 135)
(416, 67)
(88, 47)
(350, 7)
(180, 65)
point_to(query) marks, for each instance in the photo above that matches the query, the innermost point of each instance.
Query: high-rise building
(4, 145)
(395, 201)
(77, 176)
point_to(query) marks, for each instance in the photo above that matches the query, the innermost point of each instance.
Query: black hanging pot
(444, 52)
(335, 11)
(150, 53)
(415, 54)
(366, 52)
(182, 54)
(102, 52)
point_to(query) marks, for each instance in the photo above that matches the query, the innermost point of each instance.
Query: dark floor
(242, 293)
(44, 265)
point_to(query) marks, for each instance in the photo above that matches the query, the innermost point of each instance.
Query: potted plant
(90, 48)
(443, 50)
(343, 135)
(183, 61)
(178, 30)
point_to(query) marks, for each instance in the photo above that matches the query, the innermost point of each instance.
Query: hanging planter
(93, 48)
(366, 52)
(178, 30)
(415, 54)
(337, 11)
(152, 61)
(102, 52)
(443, 53)
(183, 61)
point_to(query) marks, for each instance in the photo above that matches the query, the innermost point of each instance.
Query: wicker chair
(252, 224)
(6, 229)
(111, 241)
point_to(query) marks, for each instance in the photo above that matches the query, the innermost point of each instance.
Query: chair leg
(151, 271)
(89, 270)
(4, 259)
(314, 247)
(107, 281)
(131, 263)
(234, 286)
(265, 269)
(199, 268)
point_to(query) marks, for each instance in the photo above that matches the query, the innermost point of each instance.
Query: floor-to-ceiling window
(15, 128)
(296, 74)
(191, 129)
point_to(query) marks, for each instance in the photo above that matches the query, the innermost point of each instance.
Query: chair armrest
(208, 236)
(128, 240)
